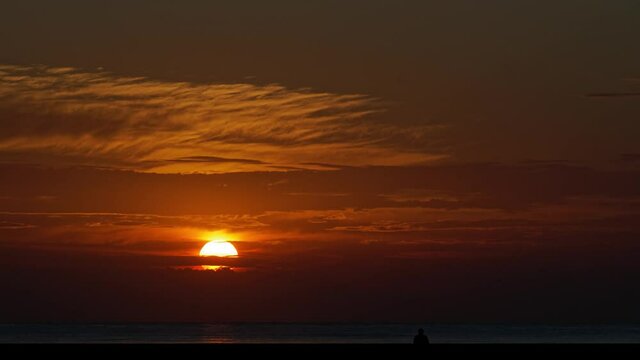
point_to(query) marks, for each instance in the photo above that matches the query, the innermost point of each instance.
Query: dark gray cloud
(630, 157)
(614, 94)
(214, 159)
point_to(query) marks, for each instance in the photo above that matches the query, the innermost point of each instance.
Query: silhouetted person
(421, 338)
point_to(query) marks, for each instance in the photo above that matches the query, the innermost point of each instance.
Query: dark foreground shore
(265, 350)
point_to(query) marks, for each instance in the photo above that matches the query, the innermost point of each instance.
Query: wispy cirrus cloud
(68, 116)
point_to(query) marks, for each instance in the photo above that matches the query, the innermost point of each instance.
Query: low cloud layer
(465, 210)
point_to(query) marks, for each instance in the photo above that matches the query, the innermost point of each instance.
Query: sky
(422, 161)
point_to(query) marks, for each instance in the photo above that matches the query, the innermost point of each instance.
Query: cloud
(445, 187)
(4, 225)
(426, 208)
(631, 157)
(117, 233)
(614, 94)
(215, 159)
(67, 116)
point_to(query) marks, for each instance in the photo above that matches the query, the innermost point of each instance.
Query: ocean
(289, 333)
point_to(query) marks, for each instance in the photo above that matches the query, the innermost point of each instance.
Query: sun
(218, 248)
(218, 244)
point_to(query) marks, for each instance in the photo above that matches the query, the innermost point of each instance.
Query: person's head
(421, 331)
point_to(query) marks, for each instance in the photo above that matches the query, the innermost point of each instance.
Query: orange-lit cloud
(68, 116)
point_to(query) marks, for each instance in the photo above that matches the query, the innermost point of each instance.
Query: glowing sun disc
(218, 248)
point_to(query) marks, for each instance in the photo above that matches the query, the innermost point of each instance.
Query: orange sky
(410, 162)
